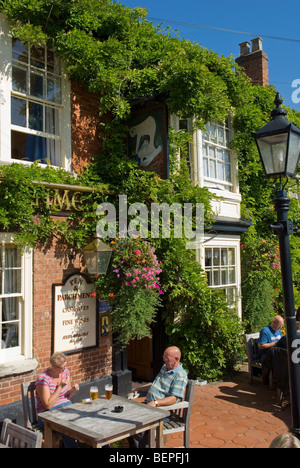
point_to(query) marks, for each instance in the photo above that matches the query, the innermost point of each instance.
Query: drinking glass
(108, 391)
(94, 393)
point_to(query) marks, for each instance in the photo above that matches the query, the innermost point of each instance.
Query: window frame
(216, 182)
(24, 350)
(224, 242)
(6, 65)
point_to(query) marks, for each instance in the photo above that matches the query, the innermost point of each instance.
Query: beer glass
(94, 393)
(108, 391)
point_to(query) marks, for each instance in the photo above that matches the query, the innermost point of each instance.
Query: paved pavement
(235, 414)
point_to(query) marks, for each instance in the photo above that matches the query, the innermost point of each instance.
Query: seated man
(167, 389)
(269, 335)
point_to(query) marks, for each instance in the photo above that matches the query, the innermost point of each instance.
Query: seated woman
(53, 390)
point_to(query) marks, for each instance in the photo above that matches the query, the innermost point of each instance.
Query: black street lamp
(278, 144)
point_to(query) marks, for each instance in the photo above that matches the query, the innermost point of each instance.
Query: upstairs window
(36, 105)
(217, 157)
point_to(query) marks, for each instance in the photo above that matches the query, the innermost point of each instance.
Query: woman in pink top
(53, 386)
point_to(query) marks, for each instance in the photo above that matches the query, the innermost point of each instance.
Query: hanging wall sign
(75, 318)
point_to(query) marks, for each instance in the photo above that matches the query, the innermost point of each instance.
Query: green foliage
(261, 280)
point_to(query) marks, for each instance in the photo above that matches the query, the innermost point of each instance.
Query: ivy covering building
(99, 105)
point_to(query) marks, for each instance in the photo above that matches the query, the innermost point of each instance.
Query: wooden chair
(180, 420)
(254, 362)
(15, 436)
(29, 408)
(29, 411)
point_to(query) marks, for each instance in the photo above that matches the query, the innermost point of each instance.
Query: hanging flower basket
(132, 287)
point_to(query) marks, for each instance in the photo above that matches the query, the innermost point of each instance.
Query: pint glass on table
(94, 393)
(108, 391)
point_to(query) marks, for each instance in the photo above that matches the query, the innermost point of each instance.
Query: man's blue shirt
(268, 335)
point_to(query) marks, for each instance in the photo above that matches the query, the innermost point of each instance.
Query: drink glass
(108, 391)
(94, 393)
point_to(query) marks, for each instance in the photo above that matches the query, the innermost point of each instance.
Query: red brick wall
(86, 129)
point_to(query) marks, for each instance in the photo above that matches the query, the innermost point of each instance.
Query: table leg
(151, 438)
(160, 435)
(48, 436)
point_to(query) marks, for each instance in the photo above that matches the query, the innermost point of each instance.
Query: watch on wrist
(156, 402)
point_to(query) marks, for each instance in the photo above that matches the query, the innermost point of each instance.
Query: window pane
(208, 255)
(220, 154)
(37, 85)
(212, 169)
(220, 171)
(10, 336)
(231, 276)
(205, 167)
(227, 172)
(52, 120)
(224, 256)
(216, 257)
(37, 57)
(209, 277)
(18, 112)
(12, 257)
(36, 116)
(224, 277)
(19, 51)
(35, 148)
(217, 280)
(19, 79)
(231, 257)
(53, 90)
(10, 307)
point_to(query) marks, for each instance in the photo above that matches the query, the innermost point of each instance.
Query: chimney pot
(256, 44)
(244, 48)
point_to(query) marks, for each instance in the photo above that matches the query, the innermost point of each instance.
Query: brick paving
(235, 414)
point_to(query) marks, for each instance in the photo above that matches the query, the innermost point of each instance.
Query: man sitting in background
(269, 335)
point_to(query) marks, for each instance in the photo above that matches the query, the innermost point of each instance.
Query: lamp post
(278, 144)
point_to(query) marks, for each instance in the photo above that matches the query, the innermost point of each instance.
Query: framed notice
(75, 317)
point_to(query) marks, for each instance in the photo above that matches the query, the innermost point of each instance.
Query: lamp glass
(294, 152)
(273, 152)
(103, 259)
(97, 257)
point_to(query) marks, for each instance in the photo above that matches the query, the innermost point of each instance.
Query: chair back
(252, 349)
(29, 408)
(185, 412)
(15, 436)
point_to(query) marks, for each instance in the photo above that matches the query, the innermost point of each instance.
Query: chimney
(255, 62)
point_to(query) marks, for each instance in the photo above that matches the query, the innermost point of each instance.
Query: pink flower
(137, 252)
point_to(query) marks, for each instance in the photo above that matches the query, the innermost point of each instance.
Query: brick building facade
(79, 140)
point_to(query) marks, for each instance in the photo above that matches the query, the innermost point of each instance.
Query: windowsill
(17, 366)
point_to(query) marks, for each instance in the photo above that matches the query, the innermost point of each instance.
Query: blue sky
(259, 18)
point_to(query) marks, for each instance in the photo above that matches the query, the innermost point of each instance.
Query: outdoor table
(97, 423)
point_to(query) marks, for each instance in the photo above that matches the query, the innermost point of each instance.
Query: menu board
(75, 314)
